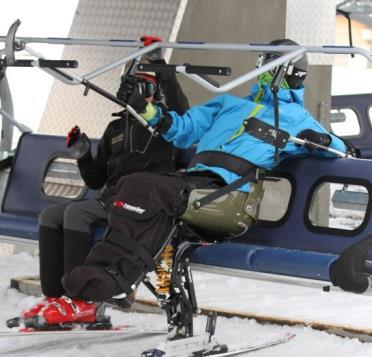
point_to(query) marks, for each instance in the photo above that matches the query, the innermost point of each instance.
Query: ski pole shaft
(307, 143)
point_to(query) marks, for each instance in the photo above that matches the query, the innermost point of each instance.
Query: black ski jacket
(127, 147)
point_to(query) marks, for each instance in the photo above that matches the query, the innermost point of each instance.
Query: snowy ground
(213, 291)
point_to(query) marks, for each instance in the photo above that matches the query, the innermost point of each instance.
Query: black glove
(127, 85)
(350, 148)
(78, 144)
(129, 93)
(315, 137)
(137, 101)
(72, 136)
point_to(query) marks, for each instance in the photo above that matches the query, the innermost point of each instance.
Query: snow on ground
(213, 291)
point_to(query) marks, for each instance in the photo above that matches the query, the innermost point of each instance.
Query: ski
(235, 352)
(241, 350)
(78, 330)
(79, 339)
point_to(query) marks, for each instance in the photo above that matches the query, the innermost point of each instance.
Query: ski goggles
(147, 84)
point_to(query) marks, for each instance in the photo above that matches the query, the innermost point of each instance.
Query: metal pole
(7, 106)
(305, 142)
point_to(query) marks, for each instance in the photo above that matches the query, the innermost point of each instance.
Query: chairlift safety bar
(289, 53)
(13, 44)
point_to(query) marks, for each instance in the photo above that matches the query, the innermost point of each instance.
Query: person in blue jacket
(143, 211)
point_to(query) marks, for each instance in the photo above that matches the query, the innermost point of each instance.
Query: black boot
(76, 248)
(51, 260)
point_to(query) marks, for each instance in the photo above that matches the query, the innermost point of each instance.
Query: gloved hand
(129, 93)
(315, 137)
(350, 148)
(72, 136)
(137, 101)
(127, 85)
(78, 144)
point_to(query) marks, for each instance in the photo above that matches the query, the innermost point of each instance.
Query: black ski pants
(140, 215)
(66, 233)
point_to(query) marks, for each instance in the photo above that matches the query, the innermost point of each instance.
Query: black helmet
(297, 69)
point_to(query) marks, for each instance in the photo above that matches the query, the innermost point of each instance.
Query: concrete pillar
(258, 21)
(237, 21)
(313, 23)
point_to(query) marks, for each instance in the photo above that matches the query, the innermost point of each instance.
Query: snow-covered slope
(214, 291)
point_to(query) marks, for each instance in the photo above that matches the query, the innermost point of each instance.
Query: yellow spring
(163, 270)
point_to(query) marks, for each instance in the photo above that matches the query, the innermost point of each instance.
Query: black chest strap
(252, 175)
(224, 160)
(233, 163)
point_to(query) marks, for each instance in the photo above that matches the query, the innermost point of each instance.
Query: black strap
(116, 237)
(123, 284)
(276, 120)
(227, 161)
(266, 132)
(225, 190)
(235, 164)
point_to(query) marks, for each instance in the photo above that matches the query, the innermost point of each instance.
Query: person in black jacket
(66, 230)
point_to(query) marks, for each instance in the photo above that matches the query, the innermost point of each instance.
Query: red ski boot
(65, 310)
(30, 315)
(33, 311)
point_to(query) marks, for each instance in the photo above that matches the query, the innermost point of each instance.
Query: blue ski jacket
(218, 125)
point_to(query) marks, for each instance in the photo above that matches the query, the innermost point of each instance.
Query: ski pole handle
(307, 143)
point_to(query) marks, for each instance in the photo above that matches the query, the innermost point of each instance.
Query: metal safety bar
(289, 53)
(21, 127)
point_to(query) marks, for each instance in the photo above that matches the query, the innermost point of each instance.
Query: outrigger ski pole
(279, 138)
(89, 85)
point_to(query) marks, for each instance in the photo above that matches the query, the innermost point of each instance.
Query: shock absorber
(164, 271)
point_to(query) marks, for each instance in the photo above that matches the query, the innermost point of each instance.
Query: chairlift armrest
(40, 63)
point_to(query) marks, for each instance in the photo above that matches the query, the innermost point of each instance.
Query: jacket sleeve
(175, 98)
(93, 170)
(189, 128)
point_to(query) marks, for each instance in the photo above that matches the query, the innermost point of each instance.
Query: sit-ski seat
(227, 211)
(232, 214)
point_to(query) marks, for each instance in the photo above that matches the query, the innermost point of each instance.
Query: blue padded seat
(23, 199)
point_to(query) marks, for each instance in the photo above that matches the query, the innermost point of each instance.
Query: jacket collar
(263, 94)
